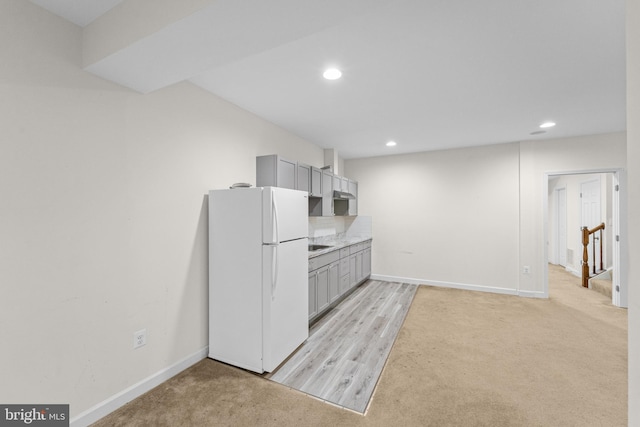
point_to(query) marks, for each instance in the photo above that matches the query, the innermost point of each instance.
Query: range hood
(342, 195)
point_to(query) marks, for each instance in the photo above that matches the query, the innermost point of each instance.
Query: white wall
(471, 217)
(633, 158)
(447, 216)
(103, 216)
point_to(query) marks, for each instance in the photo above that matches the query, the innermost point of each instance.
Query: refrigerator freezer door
(285, 214)
(285, 302)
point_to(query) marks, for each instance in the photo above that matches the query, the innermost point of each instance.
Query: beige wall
(471, 217)
(448, 216)
(103, 219)
(633, 158)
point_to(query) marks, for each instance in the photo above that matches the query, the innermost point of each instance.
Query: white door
(591, 217)
(561, 226)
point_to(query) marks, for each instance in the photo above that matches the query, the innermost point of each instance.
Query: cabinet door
(313, 306)
(344, 184)
(322, 288)
(366, 262)
(286, 173)
(327, 193)
(316, 182)
(334, 291)
(344, 283)
(303, 178)
(353, 279)
(274, 171)
(359, 275)
(353, 203)
(337, 183)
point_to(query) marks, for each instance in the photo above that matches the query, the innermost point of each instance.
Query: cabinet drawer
(344, 252)
(322, 260)
(355, 248)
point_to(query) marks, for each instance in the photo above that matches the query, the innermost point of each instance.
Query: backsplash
(338, 227)
(326, 226)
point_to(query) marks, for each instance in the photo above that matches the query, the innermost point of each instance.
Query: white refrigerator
(258, 268)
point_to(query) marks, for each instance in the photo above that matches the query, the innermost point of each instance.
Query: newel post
(585, 257)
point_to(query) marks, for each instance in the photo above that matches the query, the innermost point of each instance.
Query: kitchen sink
(318, 247)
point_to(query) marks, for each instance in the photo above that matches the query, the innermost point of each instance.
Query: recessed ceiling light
(332, 74)
(391, 144)
(547, 125)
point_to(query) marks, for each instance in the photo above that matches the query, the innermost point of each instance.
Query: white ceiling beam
(131, 21)
(222, 32)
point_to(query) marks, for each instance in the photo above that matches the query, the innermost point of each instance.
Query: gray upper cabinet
(353, 203)
(327, 193)
(321, 200)
(274, 171)
(337, 183)
(340, 183)
(303, 178)
(316, 182)
(344, 184)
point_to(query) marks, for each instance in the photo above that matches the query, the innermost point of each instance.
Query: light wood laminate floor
(345, 353)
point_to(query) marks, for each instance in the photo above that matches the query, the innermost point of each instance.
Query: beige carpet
(461, 359)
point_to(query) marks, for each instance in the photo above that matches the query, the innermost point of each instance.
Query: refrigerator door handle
(274, 205)
(274, 271)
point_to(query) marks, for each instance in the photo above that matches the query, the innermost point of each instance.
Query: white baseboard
(573, 271)
(109, 405)
(464, 286)
(533, 294)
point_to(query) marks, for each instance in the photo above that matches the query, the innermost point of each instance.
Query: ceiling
(428, 74)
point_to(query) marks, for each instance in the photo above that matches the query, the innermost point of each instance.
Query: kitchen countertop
(336, 244)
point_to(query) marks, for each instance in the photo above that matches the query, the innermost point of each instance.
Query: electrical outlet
(526, 269)
(139, 338)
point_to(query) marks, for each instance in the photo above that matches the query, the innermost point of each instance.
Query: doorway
(560, 227)
(593, 196)
(592, 214)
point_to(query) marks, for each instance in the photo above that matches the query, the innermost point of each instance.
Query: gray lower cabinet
(333, 275)
(322, 288)
(355, 264)
(366, 262)
(313, 305)
(355, 269)
(344, 272)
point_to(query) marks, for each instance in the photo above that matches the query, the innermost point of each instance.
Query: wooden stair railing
(586, 233)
